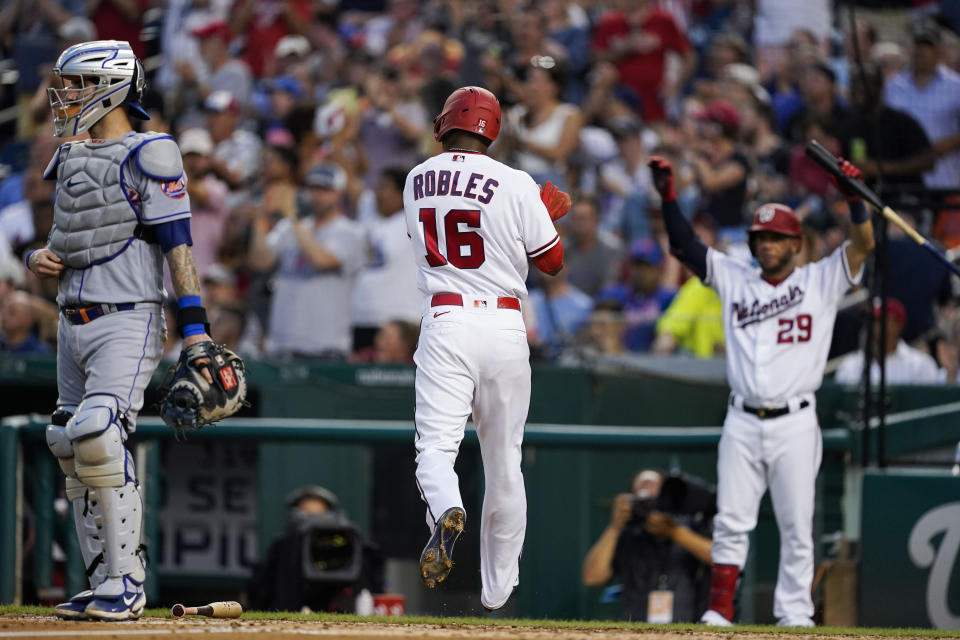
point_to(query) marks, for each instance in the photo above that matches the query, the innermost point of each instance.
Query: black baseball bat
(825, 159)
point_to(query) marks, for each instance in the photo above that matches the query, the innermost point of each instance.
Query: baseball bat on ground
(229, 609)
(825, 159)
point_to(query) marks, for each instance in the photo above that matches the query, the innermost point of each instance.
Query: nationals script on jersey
(474, 222)
(778, 336)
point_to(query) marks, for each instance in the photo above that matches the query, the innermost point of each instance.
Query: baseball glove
(189, 401)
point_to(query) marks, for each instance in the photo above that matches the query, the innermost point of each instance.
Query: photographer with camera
(658, 546)
(321, 560)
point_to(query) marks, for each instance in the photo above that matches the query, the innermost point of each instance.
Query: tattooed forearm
(183, 271)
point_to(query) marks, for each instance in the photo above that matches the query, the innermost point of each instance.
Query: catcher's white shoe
(714, 619)
(798, 621)
(117, 599)
(76, 607)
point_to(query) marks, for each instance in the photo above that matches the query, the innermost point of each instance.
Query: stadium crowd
(299, 119)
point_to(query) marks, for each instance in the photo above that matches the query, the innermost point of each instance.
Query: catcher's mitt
(189, 401)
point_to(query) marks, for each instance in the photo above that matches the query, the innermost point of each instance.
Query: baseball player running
(474, 223)
(121, 205)
(778, 321)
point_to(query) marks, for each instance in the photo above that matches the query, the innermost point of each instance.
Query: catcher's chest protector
(94, 210)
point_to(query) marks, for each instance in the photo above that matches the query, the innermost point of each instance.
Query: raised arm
(861, 231)
(684, 244)
(598, 564)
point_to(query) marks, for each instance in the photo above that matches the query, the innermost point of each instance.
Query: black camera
(642, 506)
(681, 494)
(332, 550)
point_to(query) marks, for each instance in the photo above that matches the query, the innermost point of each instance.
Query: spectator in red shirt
(637, 39)
(264, 23)
(119, 20)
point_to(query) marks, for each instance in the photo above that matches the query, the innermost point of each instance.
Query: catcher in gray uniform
(121, 206)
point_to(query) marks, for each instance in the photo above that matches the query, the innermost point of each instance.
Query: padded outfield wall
(215, 502)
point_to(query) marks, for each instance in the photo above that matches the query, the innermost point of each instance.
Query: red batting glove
(851, 171)
(663, 178)
(556, 201)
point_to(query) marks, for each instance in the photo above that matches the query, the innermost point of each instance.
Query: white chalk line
(111, 630)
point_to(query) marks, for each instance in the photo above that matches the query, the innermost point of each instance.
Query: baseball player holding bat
(778, 321)
(474, 223)
(121, 206)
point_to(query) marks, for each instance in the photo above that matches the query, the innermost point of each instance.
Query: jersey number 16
(464, 249)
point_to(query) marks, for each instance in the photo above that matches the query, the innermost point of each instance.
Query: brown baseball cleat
(436, 559)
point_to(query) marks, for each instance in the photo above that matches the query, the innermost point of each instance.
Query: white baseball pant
(476, 358)
(782, 454)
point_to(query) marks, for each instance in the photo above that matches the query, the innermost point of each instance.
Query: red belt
(456, 300)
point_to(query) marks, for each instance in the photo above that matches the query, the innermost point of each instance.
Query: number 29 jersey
(778, 336)
(474, 222)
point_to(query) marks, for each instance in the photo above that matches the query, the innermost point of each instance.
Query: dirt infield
(49, 627)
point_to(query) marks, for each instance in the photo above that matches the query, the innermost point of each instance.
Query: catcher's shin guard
(87, 519)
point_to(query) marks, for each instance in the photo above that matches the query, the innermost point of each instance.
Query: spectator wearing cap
(219, 285)
(236, 151)
(930, 92)
(219, 71)
(263, 23)
(693, 323)
(903, 363)
(208, 196)
(543, 132)
(637, 39)
(879, 139)
(719, 166)
(386, 288)
(818, 91)
(643, 297)
(317, 258)
(592, 255)
(392, 122)
(290, 56)
(725, 50)
(283, 93)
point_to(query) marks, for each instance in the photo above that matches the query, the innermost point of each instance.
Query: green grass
(539, 623)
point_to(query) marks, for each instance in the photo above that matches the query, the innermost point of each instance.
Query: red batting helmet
(472, 109)
(775, 218)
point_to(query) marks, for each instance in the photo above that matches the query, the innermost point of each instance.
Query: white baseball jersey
(778, 336)
(474, 222)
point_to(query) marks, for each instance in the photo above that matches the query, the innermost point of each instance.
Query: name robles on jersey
(464, 244)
